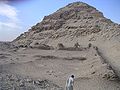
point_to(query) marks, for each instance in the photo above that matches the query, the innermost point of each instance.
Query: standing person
(70, 82)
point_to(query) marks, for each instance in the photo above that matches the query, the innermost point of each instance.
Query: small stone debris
(29, 80)
(22, 83)
(15, 82)
(110, 76)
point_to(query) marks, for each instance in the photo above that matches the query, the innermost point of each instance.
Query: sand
(89, 68)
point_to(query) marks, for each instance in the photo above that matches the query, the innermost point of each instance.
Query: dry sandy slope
(57, 65)
(111, 51)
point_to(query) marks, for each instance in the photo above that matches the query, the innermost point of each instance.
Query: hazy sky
(17, 16)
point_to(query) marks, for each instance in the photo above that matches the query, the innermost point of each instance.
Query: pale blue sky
(29, 12)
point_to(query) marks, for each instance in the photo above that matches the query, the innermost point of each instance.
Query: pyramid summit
(74, 11)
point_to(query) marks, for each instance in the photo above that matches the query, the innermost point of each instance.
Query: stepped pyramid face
(73, 22)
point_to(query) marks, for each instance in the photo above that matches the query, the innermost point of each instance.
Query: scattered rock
(89, 45)
(93, 72)
(110, 75)
(3, 57)
(77, 45)
(13, 82)
(60, 46)
(29, 80)
(21, 83)
(42, 46)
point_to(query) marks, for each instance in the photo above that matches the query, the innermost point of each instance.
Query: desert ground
(38, 69)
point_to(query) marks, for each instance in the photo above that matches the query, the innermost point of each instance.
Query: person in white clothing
(70, 82)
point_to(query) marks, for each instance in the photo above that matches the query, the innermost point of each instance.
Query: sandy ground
(91, 73)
